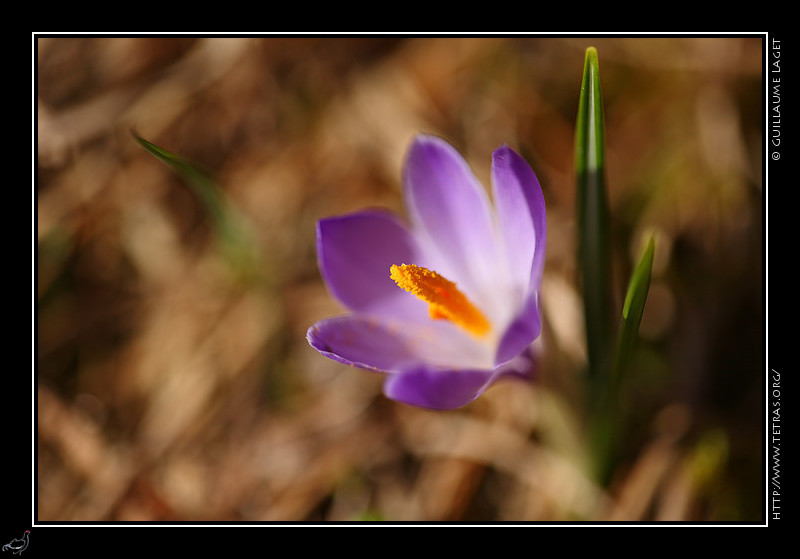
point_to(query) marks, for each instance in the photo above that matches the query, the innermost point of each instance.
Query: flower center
(443, 297)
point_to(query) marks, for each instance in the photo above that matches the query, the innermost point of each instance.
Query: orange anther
(443, 297)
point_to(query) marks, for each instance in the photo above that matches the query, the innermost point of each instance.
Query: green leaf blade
(633, 309)
(202, 186)
(594, 255)
(590, 129)
(232, 230)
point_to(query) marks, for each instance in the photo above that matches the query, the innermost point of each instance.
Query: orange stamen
(443, 297)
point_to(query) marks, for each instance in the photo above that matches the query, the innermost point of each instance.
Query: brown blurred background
(174, 381)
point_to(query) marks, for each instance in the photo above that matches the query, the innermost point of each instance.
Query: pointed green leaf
(633, 309)
(608, 423)
(232, 229)
(593, 218)
(202, 186)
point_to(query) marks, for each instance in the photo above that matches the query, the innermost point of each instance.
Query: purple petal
(355, 253)
(448, 204)
(523, 330)
(435, 389)
(439, 389)
(392, 347)
(363, 343)
(523, 221)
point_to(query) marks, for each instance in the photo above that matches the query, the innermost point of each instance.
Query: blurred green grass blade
(232, 230)
(202, 186)
(593, 218)
(609, 424)
(369, 516)
(633, 309)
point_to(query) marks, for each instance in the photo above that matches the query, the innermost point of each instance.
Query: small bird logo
(17, 545)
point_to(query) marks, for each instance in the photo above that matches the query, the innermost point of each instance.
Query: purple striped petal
(355, 253)
(523, 330)
(521, 214)
(438, 389)
(451, 209)
(361, 342)
(391, 346)
(435, 389)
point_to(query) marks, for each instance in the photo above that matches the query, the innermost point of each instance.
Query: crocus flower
(449, 304)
